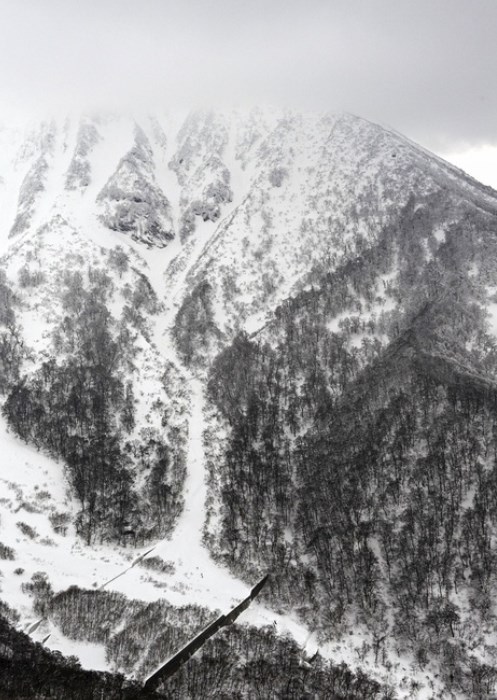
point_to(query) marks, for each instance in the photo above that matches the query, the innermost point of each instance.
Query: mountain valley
(238, 344)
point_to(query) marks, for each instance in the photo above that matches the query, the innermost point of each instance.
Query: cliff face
(255, 342)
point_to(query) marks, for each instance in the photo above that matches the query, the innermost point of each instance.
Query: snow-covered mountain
(234, 343)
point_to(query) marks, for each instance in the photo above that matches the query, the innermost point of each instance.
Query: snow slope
(270, 200)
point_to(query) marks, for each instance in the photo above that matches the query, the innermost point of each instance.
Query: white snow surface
(290, 214)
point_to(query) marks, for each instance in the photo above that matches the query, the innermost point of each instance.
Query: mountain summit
(241, 343)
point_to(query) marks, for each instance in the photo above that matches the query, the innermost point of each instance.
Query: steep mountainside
(240, 343)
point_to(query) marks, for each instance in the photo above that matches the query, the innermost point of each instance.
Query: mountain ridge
(268, 284)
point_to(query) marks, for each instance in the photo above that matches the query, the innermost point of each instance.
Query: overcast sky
(426, 67)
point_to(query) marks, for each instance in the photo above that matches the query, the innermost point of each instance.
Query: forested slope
(360, 460)
(300, 310)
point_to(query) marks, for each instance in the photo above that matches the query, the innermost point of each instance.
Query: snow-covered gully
(197, 578)
(273, 234)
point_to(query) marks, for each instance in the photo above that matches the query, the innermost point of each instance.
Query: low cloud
(426, 68)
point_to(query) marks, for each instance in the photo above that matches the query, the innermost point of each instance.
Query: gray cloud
(426, 67)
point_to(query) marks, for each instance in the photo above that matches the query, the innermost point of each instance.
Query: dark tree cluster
(195, 330)
(239, 662)
(28, 670)
(364, 473)
(80, 407)
(11, 344)
(6, 552)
